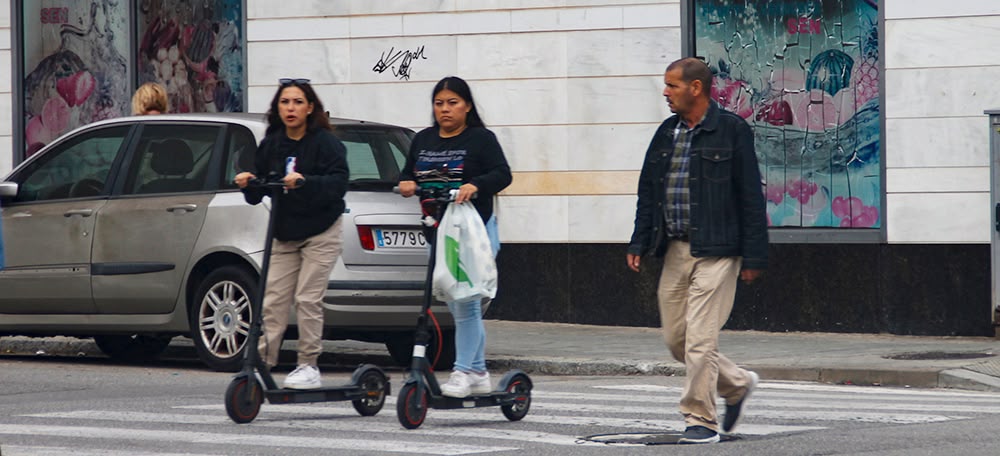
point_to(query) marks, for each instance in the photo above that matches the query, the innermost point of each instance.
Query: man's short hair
(693, 69)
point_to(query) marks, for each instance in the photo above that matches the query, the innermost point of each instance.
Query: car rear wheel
(220, 317)
(132, 348)
(400, 347)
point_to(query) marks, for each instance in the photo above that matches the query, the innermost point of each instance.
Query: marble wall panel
(533, 218)
(941, 92)
(622, 52)
(5, 76)
(322, 61)
(373, 26)
(510, 56)
(662, 14)
(521, 101)
(942, 42)
(297, 29)
(6, 115)
(534, 148)
(929, 142)
(938, 179)
(938, 218)
(6, 154)
(593, 18)
(476, 22)
(908, 9)
(608, 147)
(617, 99)
(397, 103)
(598, 219)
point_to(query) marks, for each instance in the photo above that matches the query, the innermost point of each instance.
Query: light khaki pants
(695, 297)
(296, 279)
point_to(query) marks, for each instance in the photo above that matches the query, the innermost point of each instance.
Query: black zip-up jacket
(312, 208)
(727, 202)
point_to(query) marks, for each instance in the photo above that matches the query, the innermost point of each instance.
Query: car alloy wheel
(221, 316)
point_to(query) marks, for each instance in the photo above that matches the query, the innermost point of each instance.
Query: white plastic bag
(464, 267)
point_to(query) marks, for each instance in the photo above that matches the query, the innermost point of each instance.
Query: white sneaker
(457, 386)
(303, 377)
(480, 383)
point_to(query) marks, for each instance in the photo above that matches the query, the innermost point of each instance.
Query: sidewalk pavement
(564, 349)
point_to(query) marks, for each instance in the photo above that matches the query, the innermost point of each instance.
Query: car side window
(361, 161)
(171, 159)
(373, 154)
(241, 149)
(77, 168)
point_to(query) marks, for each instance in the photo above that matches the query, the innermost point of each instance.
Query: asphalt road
(58, 406)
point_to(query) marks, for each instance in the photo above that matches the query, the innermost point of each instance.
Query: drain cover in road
(637, 438)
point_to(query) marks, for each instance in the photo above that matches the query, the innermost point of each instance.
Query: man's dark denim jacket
(727, 201)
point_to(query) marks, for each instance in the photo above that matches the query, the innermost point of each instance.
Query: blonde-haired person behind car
(300, 147)
(150, 98)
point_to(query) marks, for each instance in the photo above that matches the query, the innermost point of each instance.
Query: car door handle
(182, 208)
(80, 212)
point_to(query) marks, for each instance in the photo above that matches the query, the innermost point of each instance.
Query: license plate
(399, 239)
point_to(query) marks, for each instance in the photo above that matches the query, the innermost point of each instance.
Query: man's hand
(633, 261)
(407, 188)
(749, 275)
(243, 178)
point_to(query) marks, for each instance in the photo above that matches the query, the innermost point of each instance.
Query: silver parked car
(131, 231)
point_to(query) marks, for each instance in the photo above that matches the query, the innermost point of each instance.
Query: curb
(182, 349)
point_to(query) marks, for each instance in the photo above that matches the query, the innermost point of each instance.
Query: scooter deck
(491, 399)
(325, 394)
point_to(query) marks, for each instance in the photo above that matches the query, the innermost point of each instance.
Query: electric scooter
(246, 392)
(421, 389)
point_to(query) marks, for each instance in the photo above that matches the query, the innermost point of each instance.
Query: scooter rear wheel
(372, 382)
(410, 409)
(241, 407)
(519, 385)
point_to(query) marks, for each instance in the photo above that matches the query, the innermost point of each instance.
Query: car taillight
(366, 236)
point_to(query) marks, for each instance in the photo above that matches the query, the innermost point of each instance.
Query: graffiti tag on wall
(398, 61)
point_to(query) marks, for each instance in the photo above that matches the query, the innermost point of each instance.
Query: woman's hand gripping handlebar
(288, 181)
(464, 193)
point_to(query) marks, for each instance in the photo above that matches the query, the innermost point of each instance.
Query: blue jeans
(470, 335)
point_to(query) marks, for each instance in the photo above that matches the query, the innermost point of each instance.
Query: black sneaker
(733, 412)
(699, 434)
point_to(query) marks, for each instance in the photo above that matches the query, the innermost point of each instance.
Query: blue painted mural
(805, 74)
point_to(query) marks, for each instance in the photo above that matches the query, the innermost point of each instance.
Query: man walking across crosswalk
(701, 206)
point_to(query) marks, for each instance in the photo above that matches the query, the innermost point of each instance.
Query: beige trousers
(296, 279)
(695, 297)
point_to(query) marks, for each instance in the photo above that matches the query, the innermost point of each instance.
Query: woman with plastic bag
(459, 152)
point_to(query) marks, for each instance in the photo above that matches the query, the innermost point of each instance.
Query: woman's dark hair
(317, 120)
(461, 88)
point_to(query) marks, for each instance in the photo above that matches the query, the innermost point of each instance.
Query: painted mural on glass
(804, 73)
(195, 49)
(76, 69)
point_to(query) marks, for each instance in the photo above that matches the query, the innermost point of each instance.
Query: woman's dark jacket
(485, 165)
(312, 208)
(727, 201)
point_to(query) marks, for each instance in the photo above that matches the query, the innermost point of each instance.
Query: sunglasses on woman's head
(287, 81)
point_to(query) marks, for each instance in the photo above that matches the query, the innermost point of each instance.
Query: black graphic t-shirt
(474, 156)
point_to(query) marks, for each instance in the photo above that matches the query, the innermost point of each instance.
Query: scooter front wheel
(242, 406)
(519, 386)
(410, 409)
(373, 383)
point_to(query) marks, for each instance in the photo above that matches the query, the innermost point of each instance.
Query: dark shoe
(699, 434)
(735, 411)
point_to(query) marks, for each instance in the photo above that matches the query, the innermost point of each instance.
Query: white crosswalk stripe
(556, 418)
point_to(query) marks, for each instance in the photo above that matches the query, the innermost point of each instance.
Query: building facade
(868, 116)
